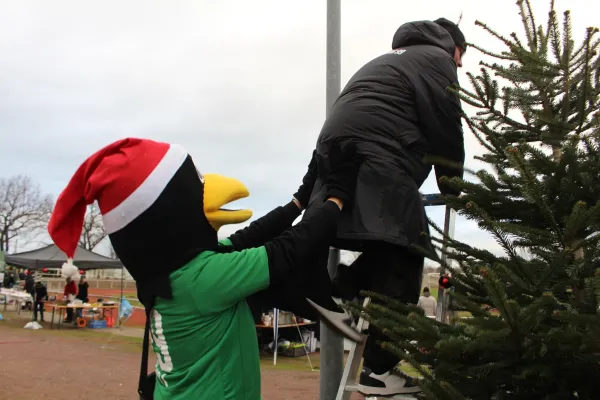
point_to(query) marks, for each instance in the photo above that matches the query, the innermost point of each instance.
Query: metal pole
(332, 344)
(449, 224)
(121, 299)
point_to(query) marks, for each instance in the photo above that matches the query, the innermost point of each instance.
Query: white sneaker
(387, 384)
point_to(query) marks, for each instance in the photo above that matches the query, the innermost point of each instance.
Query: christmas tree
(530, 326)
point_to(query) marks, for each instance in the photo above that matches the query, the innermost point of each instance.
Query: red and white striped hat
(126, 177)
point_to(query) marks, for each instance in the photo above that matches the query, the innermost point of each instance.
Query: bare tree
(23, 209)
(111, 252)
(93, 232)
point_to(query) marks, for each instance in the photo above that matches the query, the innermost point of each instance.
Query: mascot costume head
(159, 211)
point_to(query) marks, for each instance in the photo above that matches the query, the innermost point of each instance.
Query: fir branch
(511, 122)
(499, 56)
(532, 22)
(533, 193)
(494, 228)
(507, 42)
(567, 41)
(586, 76)
(576, 222)
(479, 138)
(553, 31)
(528, 23)
(513, 277)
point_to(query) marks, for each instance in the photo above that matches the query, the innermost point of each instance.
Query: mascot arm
(224, 279)
(315, 231)
(265, 228)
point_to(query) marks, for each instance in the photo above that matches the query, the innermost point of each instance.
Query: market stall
(278, 319)
(101, 315)
(17, 296)
(52, 257)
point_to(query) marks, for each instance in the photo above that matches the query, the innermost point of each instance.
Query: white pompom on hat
(69, 270)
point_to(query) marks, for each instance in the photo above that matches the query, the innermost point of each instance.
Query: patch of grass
(290, 363)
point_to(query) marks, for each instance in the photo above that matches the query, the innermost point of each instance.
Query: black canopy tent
(52, 257)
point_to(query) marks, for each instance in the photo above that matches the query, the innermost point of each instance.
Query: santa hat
(125, 178)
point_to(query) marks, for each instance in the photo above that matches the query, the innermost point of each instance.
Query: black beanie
(454, 31)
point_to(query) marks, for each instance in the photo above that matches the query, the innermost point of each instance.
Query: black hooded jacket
(397, 109)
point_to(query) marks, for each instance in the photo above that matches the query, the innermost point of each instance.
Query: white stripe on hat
(147, 193)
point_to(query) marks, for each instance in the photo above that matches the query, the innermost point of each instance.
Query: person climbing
(193, 286)
(400, 113)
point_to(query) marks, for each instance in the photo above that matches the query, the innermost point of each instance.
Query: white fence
(58, 284)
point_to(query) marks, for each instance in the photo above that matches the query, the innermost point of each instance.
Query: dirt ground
(73, 363)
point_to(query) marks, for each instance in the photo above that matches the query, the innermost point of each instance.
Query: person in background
(428, 303)
(10, 280)
(29, 284)
(29, 287)
(69, 293)
(41, 294)
(82, 294)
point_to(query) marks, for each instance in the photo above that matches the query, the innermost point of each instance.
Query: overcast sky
(240, 84)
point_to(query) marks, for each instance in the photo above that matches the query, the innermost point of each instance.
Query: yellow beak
(219, 191)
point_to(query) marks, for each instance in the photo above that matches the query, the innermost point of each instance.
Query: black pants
(388, 270)
(69, 314)
(39, 304)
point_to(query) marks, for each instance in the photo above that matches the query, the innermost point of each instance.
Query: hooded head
(159, 211)
(441, 33)
(457, 36)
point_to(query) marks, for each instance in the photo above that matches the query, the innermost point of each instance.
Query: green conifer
(533, 325)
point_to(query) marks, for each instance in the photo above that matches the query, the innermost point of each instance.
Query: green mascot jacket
(204, 337)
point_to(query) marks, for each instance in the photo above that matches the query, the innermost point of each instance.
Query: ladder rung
(352, 388)
(348, 382)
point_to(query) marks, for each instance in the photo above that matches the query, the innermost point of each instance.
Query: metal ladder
(349, 383)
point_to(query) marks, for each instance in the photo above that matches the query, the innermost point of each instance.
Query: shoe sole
(337, 322)
(374, 391)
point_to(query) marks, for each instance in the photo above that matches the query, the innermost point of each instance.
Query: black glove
(308, 182)
(344, 163)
